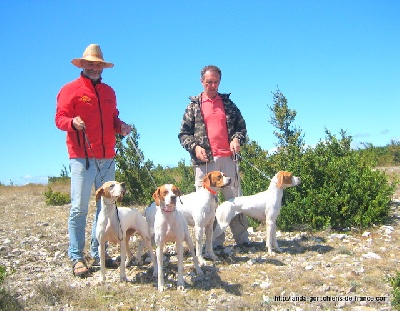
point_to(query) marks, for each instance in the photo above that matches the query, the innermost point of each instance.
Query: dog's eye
(112, 186)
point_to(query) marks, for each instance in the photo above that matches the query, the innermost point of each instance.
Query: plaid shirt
(193, 130)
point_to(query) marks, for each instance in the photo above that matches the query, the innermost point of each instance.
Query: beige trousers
(239, 223)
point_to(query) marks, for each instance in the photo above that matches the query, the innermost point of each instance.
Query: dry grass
(323, 265)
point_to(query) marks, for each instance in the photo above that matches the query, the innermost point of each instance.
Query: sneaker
(245, 244)
(110, 263)
(218, 247)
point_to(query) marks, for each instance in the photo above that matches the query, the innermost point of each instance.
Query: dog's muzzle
(168, 208)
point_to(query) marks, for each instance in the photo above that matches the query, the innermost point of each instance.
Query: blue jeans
(82, 181)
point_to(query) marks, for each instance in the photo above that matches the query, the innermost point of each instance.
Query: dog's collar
(211, 191)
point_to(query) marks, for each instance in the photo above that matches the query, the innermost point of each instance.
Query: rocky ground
(316, 271)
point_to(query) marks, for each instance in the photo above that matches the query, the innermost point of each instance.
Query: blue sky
(337, 63)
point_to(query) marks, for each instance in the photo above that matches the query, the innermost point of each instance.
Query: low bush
(56, 198)
(394, 282)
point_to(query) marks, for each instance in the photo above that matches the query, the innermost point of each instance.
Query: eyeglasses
(209, 82)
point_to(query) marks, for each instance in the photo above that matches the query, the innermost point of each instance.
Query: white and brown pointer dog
(117, 225)
(198, 208)
(263, 206)
(171, 226)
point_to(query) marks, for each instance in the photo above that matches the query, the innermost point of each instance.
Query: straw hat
(93, 54)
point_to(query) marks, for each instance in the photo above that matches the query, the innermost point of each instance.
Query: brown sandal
(79, 268)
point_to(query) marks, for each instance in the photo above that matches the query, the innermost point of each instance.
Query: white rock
(371, 255)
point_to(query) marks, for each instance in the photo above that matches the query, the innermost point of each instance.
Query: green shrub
(56, 198)
(339, 189)
(395, 284)
(2, 274)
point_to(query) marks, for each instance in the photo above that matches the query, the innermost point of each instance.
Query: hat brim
(78, 61)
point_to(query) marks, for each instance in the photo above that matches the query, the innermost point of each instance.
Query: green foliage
(382, 156)
(395, 284)
(56, 198)
(185, 177)
(339, 188)
(131, 169)
(282, 118)
(2, 274)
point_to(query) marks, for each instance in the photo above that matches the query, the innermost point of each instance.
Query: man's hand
(201, 154)
(78, 123)
(235, 145)
(125, 129)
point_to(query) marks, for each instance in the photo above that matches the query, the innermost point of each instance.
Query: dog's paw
(160, 288)
(180, 285)
(274, 251)
(123, 278)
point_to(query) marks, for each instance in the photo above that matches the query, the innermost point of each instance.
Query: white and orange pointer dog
(263, 206)
(171, 226)
(198, 208)
(117, 225)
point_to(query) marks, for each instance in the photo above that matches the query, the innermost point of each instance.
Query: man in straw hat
(87, 111)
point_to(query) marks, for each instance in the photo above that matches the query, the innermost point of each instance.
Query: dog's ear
(287, 178)
(207, 181)
(156, 196)
(177, 191)
(99, 193)
(280, 179)
(284, 178)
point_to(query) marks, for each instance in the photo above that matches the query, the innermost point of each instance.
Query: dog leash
(141, 159)
(95, 160)
(235, 158)
(119, 222)
(240, 157)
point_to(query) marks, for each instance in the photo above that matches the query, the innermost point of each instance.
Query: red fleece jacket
(97, 107)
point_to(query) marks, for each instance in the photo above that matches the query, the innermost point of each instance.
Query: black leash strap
(119, 222)
(95, 160)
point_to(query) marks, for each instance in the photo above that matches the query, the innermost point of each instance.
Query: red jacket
(97, 107)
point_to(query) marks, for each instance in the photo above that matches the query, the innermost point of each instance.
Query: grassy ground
(316, 271)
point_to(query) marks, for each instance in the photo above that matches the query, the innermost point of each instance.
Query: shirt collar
(205, 98)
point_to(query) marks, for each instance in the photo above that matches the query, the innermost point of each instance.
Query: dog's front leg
(179, 249)
(271, 242)
(209, 238)
(160, 260)
(199, 244)
(189, 242)
(268, 243)
(122, 273)
(102, 253)
(274, 240)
